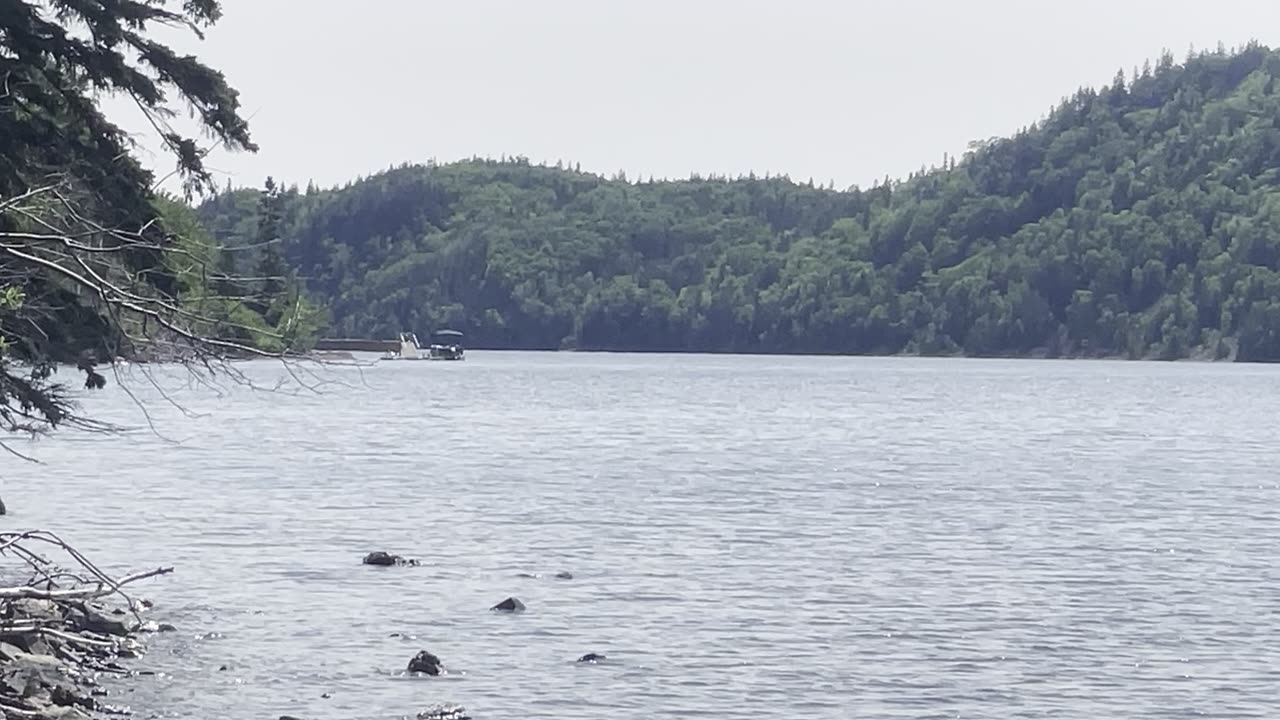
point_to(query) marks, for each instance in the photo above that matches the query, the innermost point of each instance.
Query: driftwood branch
(96, 590)
(52, 620)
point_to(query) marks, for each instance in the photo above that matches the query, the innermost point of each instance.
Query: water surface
(806, 537)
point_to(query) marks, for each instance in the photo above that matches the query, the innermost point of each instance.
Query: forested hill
(1141, 219)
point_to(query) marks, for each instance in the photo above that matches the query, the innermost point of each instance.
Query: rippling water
(749, 536)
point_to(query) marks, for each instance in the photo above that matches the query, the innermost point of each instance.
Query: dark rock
(289, 717)
(509, 605)
(165, 627)
(426, 663)
(223, 668)
(444, 712)
(95, 621)
(386, 559)
(33, 677)
(380, 558)
(9, 651)
(591, 658)
(35, 644)
(325, 696)
(63, 695)
(35, 609)
(564, 575)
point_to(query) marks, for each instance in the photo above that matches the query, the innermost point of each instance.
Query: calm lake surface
(749, 537)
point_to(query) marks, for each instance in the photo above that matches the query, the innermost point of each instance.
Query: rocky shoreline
(62, 629)
(53, 652)
(70, 626)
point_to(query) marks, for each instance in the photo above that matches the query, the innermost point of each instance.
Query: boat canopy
(446, 334)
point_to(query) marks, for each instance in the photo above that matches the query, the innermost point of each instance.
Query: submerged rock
(444, 712)
(386, 559)
(425, 663)
(509, 605)
(591, 658)
(91, 619)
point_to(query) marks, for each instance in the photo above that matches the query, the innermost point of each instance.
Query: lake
(749, 536)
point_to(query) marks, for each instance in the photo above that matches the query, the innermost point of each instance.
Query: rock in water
(509, 605)
(426, 663)
(590, 658)
(386, 559)
(564, 575)
(444, 712)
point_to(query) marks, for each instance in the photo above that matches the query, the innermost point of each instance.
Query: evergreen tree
(271, 266)
(66, 171)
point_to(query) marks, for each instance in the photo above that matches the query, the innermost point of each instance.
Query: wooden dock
(356, 345)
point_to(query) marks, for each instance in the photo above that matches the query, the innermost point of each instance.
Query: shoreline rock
(52, 652)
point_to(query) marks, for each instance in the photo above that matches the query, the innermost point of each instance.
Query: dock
(356, 345)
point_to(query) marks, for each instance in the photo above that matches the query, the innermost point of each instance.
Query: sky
(843, 91)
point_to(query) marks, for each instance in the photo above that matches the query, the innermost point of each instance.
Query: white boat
(409, 349)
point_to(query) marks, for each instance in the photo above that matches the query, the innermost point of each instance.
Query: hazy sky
(848, 90)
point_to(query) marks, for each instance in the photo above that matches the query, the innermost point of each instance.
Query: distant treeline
(1140, 220)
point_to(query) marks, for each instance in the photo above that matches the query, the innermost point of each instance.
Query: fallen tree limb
(77, 639)
(11, 711)
(77, 593)
(57, 628)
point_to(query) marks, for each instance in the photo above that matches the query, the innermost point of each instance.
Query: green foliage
(265, 312)
(1139, 220)
(97, 275)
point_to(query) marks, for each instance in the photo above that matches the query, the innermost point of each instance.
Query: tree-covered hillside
(1141, 219)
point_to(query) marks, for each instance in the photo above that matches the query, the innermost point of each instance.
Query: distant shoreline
(1201, 357)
